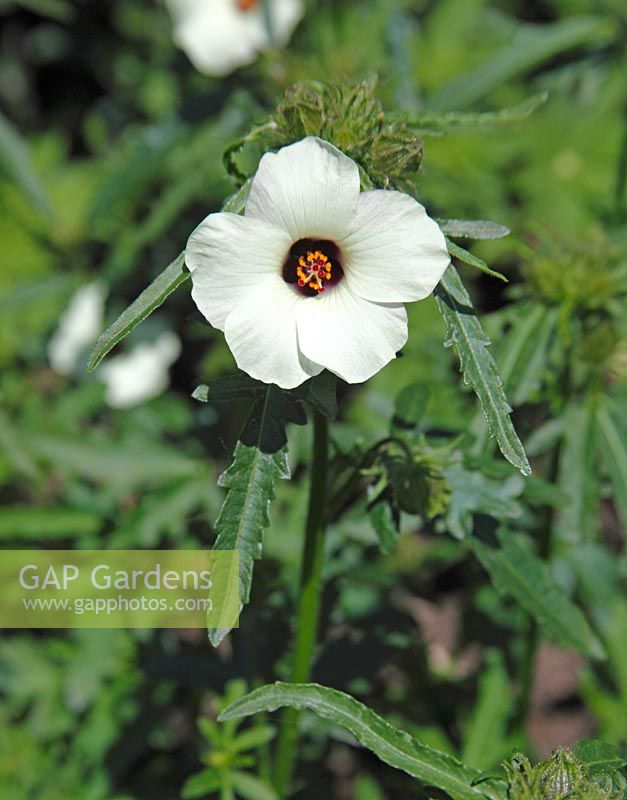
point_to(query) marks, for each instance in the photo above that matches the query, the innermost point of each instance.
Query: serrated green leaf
(465, 333)
(260, 458)
(15, 163)
(517, 572)
(527, 47)
(470, 258)
(613, 449)
(472, 229)
(392, 746)
(148, 301)
(599, 757)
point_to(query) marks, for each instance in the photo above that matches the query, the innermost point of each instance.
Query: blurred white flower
(140, 374)
(79, 326)
(220, 35)
(315, 274)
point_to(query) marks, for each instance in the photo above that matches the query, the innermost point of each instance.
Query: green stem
(309, 601)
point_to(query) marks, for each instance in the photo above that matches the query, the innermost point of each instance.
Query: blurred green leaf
(517, 572)
(15, 163)
(464, 331)
(485, 742)
(457, 119)
(523, 355)
(383, 524)
(148, 301)
(393, 746)
(613, 449)
(26, 523)
(251, 787)
(204, 783)
(410, 405)
(578, 474)
(473, 493)
(528, 47)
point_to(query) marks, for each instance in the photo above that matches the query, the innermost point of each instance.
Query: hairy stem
(309, 601)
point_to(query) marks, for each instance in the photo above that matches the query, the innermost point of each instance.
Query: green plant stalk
(309, 601)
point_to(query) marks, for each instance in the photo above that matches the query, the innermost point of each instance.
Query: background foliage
(110, 153)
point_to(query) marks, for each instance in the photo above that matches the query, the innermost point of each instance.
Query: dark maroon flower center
(313, 266)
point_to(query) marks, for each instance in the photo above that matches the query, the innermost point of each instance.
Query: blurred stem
(309, 601)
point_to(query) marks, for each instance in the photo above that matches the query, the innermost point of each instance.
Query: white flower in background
(78, 328)
(315, 274)
(141, 373)
(220, 35)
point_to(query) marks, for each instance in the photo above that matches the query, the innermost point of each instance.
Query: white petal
(395, 252)
(261, 332)
(218, 37)
(286, 14)
(227, 255)
(348, 335)
(310, 189)
(140, 374)
(215, 35)
(79, 326)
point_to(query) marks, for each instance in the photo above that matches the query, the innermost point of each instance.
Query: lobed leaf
(148, 301)
(392, 746)
(517, 572)
(465, 333)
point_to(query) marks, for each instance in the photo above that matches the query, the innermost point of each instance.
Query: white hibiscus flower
(315, 274)
(79, 326)
(220, 35)
(140, 374)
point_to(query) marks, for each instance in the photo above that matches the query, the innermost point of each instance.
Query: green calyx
(351, 118)
(561, 776)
